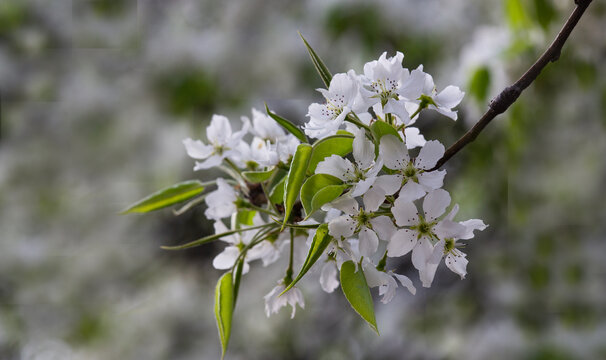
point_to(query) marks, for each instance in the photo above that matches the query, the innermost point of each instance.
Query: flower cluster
(367, 189)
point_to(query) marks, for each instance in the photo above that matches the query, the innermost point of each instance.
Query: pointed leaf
(289, 126)
(166, 197)
(224, 308)
(295, 178)
(256, 177)
(355, 288)
(318, 245)
(318, 64)
(326, 195)
(311, 188)
(331, 145)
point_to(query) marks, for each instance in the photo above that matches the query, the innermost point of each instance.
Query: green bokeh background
(96, 96)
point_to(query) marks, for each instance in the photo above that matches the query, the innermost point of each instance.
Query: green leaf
(256, 177)
(276, 194)
(166, 197)
(210, 238)
(381, 128)
(224, 308)
(355, 288)
(318, 245)
(479, 83)
(289, 126)
(313, 188)
(318, 64)
(245, 217)
(331, 145)
(295, 178)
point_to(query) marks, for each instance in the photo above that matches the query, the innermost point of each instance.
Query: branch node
(507, 97)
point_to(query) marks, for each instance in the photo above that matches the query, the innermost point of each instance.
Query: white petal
(328, 277)
(411, 191)
(405, 212)
(362, 187)
(446, 112)
(343, 226)
(401, 242)
(432, 180)
(373, 199)
(363, 150)
(412, 88)
(457, 264)
(388, 290)
(393, 152)
(369, 242)
(450, 97)
(197, 149)
(346, 204)
(429, 155)
(470, 226)
(227, 258)
(406, 282)
(389, 183)
(435, 203)
(335, 166)
(383, 226)
(421, 253)
(414, 138)
(449, 229)
(212, 161)
(219, 130)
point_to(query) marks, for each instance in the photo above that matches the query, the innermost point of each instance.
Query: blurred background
(96, 96)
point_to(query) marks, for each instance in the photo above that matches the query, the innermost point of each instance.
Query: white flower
(413, 175)
(221, 202)
(362, 173)
(325, 119)
(382, 81)
(386, 281)
(456, 260)
(443, 102)
(329, 279)
(362, 222)
(421, 229)
(271, 144)
(274, 302)
(412, 136)
(222, 144)
(265, 128)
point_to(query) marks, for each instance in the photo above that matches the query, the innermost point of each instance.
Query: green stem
(289, 270)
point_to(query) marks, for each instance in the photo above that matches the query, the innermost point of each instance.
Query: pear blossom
(360, 174)
(270, 144)
(421, 229)
(274, 302)
(221, 203)
(443, 102)
(386, 281)
(325, 119)
(227, 258)
(222, 144)
(413, 177)
(361, 222)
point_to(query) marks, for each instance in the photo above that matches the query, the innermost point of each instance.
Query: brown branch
(511, 93)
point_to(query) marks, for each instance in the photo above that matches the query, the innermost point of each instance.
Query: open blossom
(360, 174)
(274, 302)
(270, 144)
(413, 177)
(222, 144)
(221, 203)
(443, 102)
(421, 228)
(361, 222)
(386, 281)
(227, 258)
(325, 119)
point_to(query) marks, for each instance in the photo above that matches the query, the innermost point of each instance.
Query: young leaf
(276, 194)
(224, 308)
(166, 197)
(326, 195)
(318, 245)
(331, 145)
(256, 177)
(289, 126)
(318, 64)
(381, 128)
(312, 186)
(355, 288)
(295, 178)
